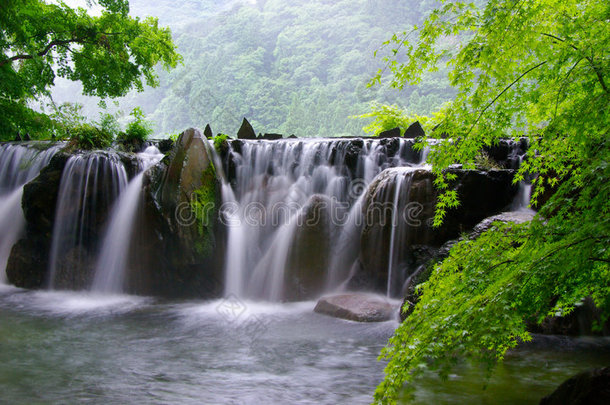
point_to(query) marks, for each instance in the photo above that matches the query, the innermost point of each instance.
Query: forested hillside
(288, 66)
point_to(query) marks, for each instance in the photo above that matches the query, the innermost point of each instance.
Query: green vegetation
(203, 204)
(138, 128)
(537, 69)
(219, 140)
(288, 66)
(109, 55)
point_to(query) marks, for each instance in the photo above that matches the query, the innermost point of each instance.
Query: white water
(19, 164)
(275, 184)
(110, 269)
(87, 180)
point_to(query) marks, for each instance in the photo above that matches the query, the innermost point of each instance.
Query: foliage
(109, 54)
(386, 117)
(219, 140)
(526, 68)
(203, 205)
(109, 123)
(290, 67)
(88, 136)
(138, 128)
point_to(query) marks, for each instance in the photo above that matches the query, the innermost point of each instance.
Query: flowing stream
(18, 165)
(112, 260)
(69, 347)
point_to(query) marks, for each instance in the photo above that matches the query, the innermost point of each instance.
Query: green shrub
(138, 129)
(87, 136)
(219, 140)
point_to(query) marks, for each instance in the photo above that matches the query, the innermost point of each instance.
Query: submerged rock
(590, 387)
(357, 307)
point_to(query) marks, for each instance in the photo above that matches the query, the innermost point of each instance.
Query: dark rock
(28, 262)
(293, 136)
(18, 137)
(27, 137)
(391, 133)
(207, 132)
(246, 131)
(357, 307)
(415, 130)
(590, 387)
(310, 253)
(481, 194)
(272, 137)
(165, 145)
(507, 153)
(176, 251)
(579, 322)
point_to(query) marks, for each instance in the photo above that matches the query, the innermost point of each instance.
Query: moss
(219, 140)
(203, 204)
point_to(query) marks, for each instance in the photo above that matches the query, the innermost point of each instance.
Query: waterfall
(19, 164)
(112, 261)
(90, 183)
(279, 192)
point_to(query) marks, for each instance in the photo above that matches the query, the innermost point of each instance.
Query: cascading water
(112, 261)
(18, 165)
(289, 195)
(90, 183)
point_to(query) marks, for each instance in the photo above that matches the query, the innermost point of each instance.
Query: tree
(109, 54)
(521, 68)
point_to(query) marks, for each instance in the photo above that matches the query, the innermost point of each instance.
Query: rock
(207, 132)
(579, 322)
(28, 263)
(165, 145)
(415, 130)
(310, 254)
(590, 387)
(507, 153)
(177, 252)
(246, 131)
(293, 136)
(391, 133)
(481, 194)
(272, 137)
(27, 137)
(357, 307)
(18, 137)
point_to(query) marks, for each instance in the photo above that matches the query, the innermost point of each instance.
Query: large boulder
(357, 307)
(409, 225)
(29, 259)
(590, 387)
(175, 238)
(310, 253)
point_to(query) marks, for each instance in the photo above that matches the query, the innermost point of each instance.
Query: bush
(138, 129)
(87, 136)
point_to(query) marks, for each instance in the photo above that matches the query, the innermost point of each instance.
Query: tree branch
(500, 95)
(599, 75)
(46, 50)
